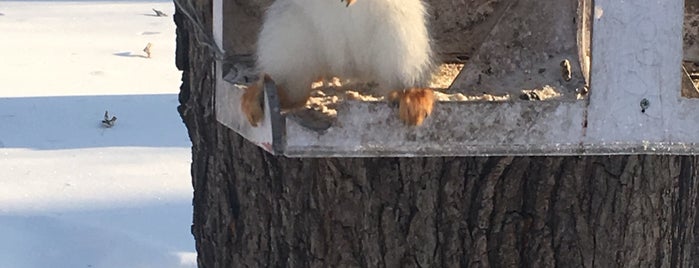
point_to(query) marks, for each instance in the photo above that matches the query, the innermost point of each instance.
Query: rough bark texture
(252, 209)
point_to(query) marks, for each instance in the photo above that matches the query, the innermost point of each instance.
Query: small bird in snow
(108, 122)
(148, 49)
(159, 13)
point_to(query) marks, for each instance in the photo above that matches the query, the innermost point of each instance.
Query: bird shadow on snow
(74, 122)
(125, 237)
(128, 54)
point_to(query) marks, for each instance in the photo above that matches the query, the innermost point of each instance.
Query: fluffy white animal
(381, 41)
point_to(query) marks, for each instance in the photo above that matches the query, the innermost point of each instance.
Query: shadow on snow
(72, 122)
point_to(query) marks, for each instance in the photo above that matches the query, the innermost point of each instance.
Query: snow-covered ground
(73, 193)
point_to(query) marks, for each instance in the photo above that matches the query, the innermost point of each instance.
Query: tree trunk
(252, 209)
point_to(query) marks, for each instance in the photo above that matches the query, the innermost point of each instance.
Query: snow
(72, 192)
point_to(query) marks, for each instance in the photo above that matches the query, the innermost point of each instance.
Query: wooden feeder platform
(628, 55)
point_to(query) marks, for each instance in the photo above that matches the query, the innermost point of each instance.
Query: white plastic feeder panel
(633, 106)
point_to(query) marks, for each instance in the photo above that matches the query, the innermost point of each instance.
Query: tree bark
(252, 209)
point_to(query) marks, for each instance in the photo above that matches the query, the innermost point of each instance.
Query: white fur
(381, 41)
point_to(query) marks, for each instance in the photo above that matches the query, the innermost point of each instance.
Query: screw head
(645, 103)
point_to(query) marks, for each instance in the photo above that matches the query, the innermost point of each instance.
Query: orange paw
(415, 105)
(251, 103)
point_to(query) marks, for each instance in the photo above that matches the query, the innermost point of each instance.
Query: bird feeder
(614, 68)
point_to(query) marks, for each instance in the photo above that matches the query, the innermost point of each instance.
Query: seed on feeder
(582, 91)
(565, 70)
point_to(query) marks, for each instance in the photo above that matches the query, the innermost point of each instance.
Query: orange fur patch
(251, 103)
(415, 105)
(252, 100)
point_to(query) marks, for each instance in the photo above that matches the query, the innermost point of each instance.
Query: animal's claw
(348, 2)
(415, 105)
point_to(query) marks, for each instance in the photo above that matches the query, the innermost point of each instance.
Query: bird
(107, 122)
(147, 49)
(159, 13)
